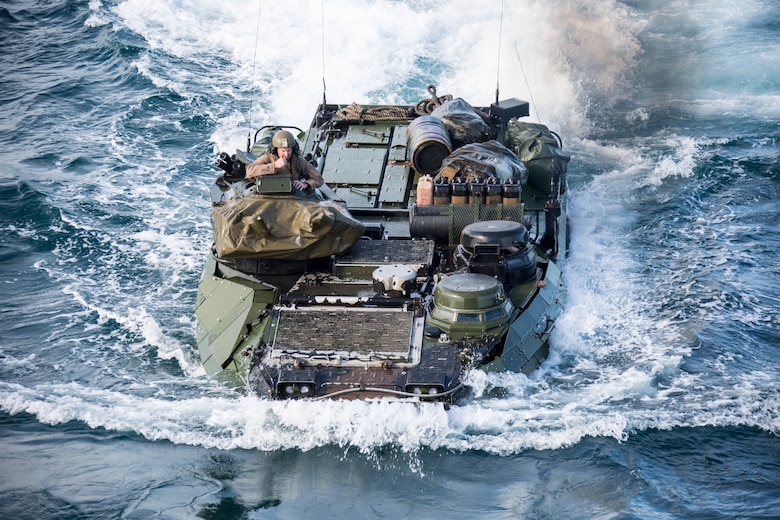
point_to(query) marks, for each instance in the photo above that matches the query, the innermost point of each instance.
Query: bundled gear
(540, 149)
(464, 123)
(482, 161)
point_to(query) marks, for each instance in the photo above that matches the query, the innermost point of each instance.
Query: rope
(356, 112)
(426, 106)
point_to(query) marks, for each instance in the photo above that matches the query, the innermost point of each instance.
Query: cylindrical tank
(428, 144)
(435, 227)
(424, 191)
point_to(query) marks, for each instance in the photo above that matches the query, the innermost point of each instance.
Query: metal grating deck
(381, 331)
(378, 252)
(366, 255)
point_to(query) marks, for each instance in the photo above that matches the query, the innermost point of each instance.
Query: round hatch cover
(469, 291)
(504, 233)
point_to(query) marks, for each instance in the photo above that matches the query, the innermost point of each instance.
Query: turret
(499, 248)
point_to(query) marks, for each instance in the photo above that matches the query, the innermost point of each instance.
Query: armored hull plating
(430, 251)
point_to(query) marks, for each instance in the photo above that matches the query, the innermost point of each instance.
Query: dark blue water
(660, 398)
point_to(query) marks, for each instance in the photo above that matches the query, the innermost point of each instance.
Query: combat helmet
(283, 139)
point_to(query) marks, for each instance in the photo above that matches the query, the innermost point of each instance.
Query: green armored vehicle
(430, 250)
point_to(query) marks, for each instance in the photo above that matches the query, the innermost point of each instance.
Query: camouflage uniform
(297, 167)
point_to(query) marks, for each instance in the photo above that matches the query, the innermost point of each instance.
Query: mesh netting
(461, 215)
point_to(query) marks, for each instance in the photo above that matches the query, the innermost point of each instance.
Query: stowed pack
(481, 161)
(464, 123)
(540, 150)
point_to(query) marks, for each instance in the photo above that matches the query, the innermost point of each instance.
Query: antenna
(254, 67)
(322, 22)
(498, 59)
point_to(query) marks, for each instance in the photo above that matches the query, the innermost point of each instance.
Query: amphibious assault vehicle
(431, 250)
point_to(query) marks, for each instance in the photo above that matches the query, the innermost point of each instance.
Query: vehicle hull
(439, 282)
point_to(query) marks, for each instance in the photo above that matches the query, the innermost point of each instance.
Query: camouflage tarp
(283, 227)
(538, 148)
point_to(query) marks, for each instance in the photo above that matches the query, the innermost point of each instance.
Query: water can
(425, 191)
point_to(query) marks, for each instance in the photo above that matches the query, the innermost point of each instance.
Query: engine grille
(385, 332)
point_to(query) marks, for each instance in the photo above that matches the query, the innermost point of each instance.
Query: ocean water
(661, 396)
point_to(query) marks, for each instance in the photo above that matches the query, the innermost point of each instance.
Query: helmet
(283, 139)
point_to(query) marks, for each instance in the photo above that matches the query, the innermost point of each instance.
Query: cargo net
(461, 215)
(356, 112)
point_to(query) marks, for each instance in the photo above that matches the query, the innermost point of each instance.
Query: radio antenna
(254, 67)
(322, 22)
(498, 58)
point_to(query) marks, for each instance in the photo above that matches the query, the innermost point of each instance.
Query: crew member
(282, 157)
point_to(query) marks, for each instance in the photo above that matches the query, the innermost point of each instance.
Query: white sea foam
(368, 51)
(501, 426)
(96, 18)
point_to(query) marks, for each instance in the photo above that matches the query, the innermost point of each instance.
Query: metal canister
(428, 144)
(460, 191)
(477, 191)
(493, 193)
(511, 192)
(441, 192)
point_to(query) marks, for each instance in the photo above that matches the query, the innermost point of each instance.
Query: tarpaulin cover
(283, 228)
(484, 160)
(538, 148)
(464, 123)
